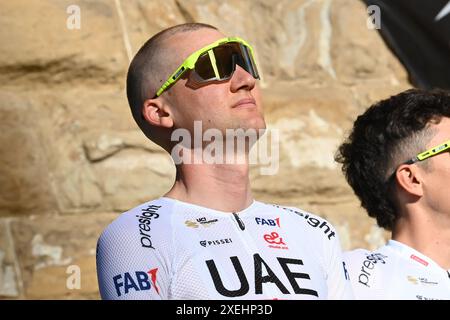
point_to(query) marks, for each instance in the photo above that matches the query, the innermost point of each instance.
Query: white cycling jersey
(396, 271)
(168, 249)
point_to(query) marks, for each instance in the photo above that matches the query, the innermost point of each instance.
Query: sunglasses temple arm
(413, 160)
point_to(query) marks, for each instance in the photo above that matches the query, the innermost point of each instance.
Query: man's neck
(426, 232)
(219, 187)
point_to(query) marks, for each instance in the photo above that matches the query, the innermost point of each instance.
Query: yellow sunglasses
(215, 62)
(430, 153)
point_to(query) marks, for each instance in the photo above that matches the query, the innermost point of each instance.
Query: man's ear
(409, 178)
(156, 112)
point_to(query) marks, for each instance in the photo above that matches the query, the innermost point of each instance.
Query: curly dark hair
(388, 133)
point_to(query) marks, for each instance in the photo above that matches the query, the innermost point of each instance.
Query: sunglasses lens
(220, 62)
(224, 61)
(248, 64)
(204, 68)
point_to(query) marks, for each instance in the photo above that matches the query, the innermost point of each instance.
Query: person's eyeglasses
(430, 153)
(425, 155)
(215, 62)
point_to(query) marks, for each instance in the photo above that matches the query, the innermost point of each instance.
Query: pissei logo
(207, 243)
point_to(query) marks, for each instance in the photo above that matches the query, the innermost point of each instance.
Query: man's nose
(241, 79)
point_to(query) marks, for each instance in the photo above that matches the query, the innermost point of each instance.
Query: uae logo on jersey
(262, 278)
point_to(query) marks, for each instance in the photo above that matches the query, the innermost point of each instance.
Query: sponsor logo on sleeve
(135, 281)
(145, 219)
(314, 222)
(367, 267)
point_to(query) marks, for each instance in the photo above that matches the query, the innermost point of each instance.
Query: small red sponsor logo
(419, 260)
(152, 274)
(277, 220)
(275, 241)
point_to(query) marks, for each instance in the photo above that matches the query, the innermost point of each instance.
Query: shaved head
(149, 69)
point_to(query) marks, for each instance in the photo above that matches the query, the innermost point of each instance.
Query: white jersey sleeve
(365, 274)
(338, 277)
(134, 255)
(396, 271)
(322, 233)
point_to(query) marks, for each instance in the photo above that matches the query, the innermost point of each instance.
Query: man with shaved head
(207, 238)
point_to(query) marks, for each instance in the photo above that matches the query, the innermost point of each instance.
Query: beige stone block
(47, 245)
(43, 51)
(370, 92)
(24, 177)
(142, 19)
(76, 152)
(98, 158)
(359, 53)
(51, 282)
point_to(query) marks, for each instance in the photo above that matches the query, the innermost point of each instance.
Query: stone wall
(72, 157)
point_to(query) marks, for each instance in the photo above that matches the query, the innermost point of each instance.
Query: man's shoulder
(370, 272)
(308, 222)
(356, 255)
(366, 264)
(360, 255)
(143, 216)
(295, 211)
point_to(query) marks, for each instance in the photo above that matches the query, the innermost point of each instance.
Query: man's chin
(257, 124)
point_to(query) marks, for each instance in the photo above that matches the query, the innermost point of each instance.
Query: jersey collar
(413, 255)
